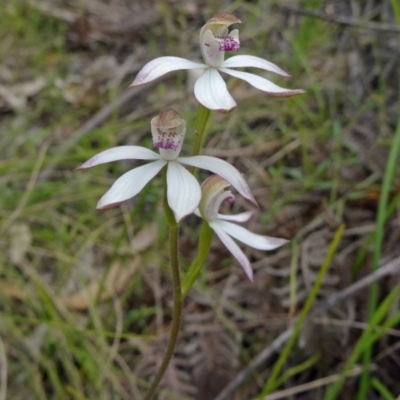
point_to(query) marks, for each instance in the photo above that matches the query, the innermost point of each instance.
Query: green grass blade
(396, 9)
(379, 232)
(367, 339)
(271, 383)
(382, 389)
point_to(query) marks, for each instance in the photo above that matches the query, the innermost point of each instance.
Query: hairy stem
(177, 311)
(206, 234)
(202, 116)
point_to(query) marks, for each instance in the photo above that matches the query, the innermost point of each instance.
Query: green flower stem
(206, 234)
(177, 311)
(202, 116)
(274, 376)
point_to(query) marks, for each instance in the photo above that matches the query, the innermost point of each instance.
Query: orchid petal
(210, 90)
(213, 193)
(129, 185)
(233, 248)
(120, 153)
(229, 42)
(162, 65)
(210, 49)
(251, 239)
(262, 84)
(217, 26)
(224, 170)
(184, 192)
(252, 61)
(242, 217)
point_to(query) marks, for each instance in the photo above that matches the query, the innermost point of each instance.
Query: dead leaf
(144, 238)
(11, 291)
(16, 96)
(116, 280)
(118, 276)
(21, 239)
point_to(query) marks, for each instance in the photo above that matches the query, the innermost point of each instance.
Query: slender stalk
(202, 116)
(271, 383)
(206, 234)
(379, 232)
(177, 311)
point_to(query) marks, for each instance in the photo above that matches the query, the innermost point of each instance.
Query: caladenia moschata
(183, 191)
(214, 193)
(182, 194)
(210, 89)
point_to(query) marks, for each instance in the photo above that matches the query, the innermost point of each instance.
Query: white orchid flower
(210, 89)
(184, 193)
(213, 194)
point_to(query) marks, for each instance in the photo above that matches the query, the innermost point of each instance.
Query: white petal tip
(136, 83)
(254, 202)
(250, 276)
(107, 206)
(249, 197)
(85, 165)
(281, 242)
(276, 243)
(179, 218)
(139, 81)
(222, 111)
(248, 270)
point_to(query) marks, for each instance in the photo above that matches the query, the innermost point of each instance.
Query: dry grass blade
(212, 353)
(3, 372)
(306, 387)
(391, 268)
(374, 26)
(116, 280)
(118, 276)
(177, 377)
